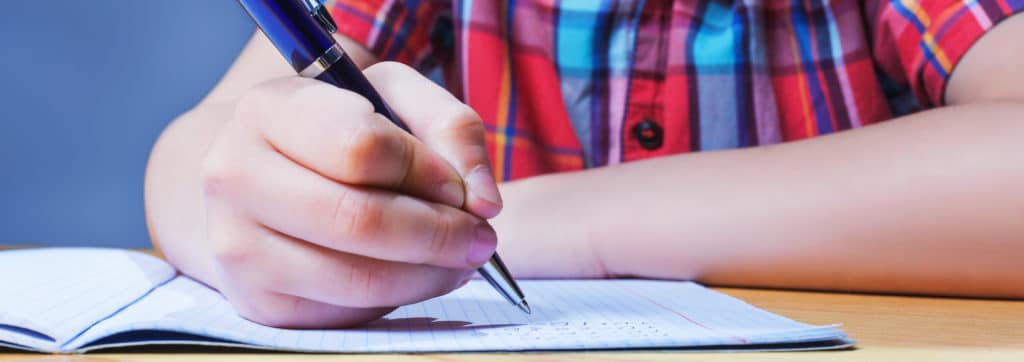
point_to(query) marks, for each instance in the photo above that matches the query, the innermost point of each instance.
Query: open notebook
(82, 299)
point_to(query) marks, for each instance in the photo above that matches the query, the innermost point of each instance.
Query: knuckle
(233, 257)
(242, 257)
(356, 217)
(406, 152)
(440, 240)
(371, 285)
(368, 153)
(218, 176)
(359, 150)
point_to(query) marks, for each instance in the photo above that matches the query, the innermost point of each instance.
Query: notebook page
(590, 314)
(52, 294)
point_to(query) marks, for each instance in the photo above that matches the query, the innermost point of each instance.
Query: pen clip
(323, 17)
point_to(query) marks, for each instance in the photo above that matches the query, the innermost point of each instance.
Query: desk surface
(885, 327)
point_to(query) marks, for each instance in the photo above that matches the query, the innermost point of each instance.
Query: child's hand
(321, 213)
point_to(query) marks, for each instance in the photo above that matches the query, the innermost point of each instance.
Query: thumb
(446, 125)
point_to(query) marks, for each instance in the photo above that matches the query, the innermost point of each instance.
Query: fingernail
(483, 245)
(452, 193)
(481, 183)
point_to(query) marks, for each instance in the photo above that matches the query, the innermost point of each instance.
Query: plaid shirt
(569, 84)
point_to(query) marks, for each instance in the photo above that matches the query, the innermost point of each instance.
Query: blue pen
(301, 31)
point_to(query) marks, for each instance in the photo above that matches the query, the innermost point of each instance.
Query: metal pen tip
(524, 307)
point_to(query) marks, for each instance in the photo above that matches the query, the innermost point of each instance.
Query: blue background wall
(85, 89)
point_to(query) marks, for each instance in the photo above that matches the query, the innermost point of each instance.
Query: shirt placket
(644, 127)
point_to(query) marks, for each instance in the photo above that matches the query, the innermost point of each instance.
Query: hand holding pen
(323, 213)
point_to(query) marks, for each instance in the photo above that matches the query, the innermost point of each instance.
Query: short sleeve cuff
(945, 43)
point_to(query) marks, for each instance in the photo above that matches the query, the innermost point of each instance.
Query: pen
(300, 30)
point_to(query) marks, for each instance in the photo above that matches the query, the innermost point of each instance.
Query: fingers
(278, 281)
(262, 305)
(256, 258)
(375, 223)
(447, 126)
(336, 133)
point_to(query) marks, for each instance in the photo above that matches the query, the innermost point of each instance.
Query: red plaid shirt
(568, 84)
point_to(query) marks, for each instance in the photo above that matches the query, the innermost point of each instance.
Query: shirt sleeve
(397, 30)
(917, 43)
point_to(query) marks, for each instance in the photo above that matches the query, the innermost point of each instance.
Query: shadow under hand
(464, 314)
(416, 324)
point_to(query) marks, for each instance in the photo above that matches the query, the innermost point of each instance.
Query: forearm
(925, 204)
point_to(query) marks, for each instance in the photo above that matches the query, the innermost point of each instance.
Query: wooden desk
(885, 327)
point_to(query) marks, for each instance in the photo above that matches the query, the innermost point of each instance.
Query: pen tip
(524, 307)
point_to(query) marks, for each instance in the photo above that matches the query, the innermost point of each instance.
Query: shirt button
(649, 134)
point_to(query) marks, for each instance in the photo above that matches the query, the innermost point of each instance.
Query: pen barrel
(300, 39)
(294, 32)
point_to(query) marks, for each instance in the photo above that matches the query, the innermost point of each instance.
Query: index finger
(335, 132)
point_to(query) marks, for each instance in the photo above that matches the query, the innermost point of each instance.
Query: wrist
(545, 229)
